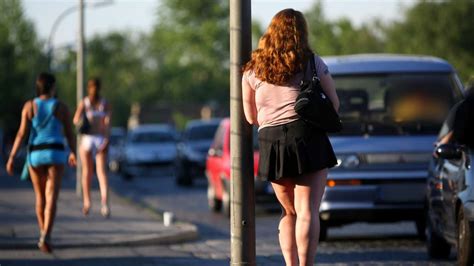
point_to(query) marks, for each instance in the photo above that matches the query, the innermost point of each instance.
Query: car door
(452, 176)
(215, 160)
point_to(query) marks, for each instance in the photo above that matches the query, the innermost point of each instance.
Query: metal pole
(242, 193)
(65, 13)
(53, 31)
(80, 87)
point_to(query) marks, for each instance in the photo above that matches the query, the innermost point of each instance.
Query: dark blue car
(392, 107)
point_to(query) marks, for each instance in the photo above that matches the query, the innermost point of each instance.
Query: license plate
(400, 193)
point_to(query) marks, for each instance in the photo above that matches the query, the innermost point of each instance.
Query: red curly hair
(283, 50)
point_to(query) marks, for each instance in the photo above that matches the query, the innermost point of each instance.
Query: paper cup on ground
(168, 218)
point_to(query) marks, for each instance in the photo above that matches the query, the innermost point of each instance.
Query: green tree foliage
(340, 36)
(20, 59)
(439, 28)
(190, 49)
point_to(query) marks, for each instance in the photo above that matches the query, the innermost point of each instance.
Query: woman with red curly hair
(294, 156)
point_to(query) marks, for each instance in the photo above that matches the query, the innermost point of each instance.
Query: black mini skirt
(292, 150)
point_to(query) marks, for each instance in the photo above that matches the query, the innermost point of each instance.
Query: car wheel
(127, 177)
(421, 228)
(437, 247)
(214, 204)
(323, 231)
(184, 180)
(465, 240)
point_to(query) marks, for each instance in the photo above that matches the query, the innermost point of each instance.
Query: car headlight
(348, 161)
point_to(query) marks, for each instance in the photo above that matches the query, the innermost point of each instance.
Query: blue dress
(49, 135)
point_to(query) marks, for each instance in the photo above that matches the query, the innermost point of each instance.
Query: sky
(140, 15)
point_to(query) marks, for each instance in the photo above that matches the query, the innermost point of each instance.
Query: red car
(218, 173)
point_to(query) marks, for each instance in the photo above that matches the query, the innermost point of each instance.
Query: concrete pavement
(129, 223)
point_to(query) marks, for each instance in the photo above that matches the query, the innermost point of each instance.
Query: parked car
(392, 107)
(116, 148)
(147, 147)
(192, 150)
(218, 173)
(450, 202)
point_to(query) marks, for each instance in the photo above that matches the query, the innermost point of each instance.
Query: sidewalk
(129, 223)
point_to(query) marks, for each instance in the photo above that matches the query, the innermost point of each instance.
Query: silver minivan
(392, 107)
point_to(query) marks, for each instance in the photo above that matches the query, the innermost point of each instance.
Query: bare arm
(22, 132)
(329, 88)
(65, 120)
(107, 122)
(107, 119)
(248, 98)
(77, 115)
(64, 116)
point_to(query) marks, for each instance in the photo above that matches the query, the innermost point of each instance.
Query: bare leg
(38, 179)
(53, 184)
(101, 167)
(309, 190)
(284, 192)
(87, 170)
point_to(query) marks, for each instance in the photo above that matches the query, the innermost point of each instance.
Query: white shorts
(91, 142)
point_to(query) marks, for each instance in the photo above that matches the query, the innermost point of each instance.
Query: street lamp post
(242, 180)
(57, 22)
(80, 87)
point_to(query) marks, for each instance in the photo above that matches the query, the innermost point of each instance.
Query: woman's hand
(104, 146)
(72, 159)
(10, 166)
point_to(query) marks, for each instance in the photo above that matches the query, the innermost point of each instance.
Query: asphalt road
(357, 244)
(361, 243)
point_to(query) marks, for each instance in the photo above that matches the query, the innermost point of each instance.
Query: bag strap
(313, 67)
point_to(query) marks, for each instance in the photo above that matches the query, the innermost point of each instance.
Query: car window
(395, 103)
(201, 132)
(151, 137)
(218, 142)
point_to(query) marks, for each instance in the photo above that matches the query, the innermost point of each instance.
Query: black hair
(45, 83)
(96, 81)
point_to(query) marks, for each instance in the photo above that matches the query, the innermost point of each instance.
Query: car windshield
(201, 132)
(151, 137)
(396, 103)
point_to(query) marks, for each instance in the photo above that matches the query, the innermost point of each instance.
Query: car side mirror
(215, 152)
(449, 151)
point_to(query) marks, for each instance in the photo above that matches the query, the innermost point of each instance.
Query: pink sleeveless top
(275, 104)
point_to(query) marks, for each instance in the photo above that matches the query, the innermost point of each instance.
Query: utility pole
(80, 89)
(242, 192)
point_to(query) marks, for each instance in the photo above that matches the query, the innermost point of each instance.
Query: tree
(341, 37)
(439, 28)
(20, 61)
(190, 49)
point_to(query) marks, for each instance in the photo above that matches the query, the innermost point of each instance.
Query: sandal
(85, 210)
(43, 244)
(105, 211)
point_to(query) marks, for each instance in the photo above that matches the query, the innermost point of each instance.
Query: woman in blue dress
(49, 122)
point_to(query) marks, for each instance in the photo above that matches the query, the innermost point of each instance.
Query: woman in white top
(97, 111)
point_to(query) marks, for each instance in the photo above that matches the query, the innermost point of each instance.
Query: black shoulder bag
(84, 126)
(313, 106)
